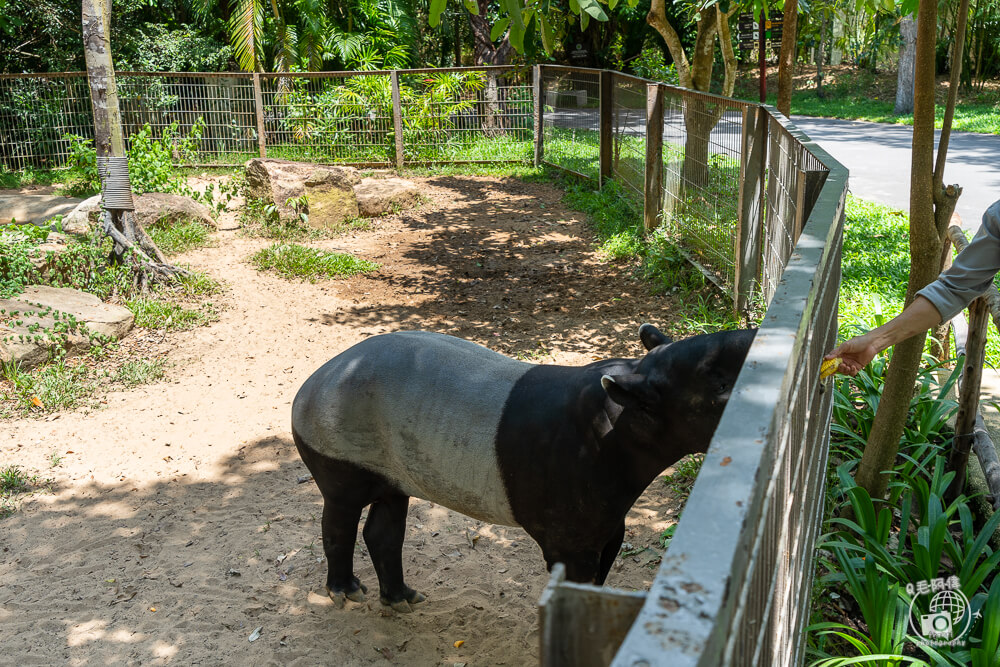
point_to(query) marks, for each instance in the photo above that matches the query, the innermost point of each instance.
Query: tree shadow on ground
(506, 263)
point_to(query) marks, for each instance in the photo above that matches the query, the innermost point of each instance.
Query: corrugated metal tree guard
(751, 202)
(131, 243)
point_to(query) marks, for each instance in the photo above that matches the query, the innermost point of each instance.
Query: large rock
(151, 209)
(329, 190)
(35, 209)
(34, 323)
(378, 196)
(159, 208)
(330, 196)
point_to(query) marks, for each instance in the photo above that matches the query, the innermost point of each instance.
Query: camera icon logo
(937, 624)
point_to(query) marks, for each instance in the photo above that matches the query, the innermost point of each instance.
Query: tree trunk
(820, 57)
(485, 52)
(131, 242)
(786, 60)
(907, 59)
(925, 252)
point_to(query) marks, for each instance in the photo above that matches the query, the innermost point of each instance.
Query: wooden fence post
(258, 103)
(968, 399)
(397, 118)
(536, 75)
(653, 191)
(606, 124)
(753, 153)
(809, 185)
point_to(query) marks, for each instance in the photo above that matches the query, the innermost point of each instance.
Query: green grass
(14, 483)
(981, 117)
(876, 268)
(292, 260)
(155, 313)
(49, 388)
(682, 479)
(180, 237)
(140, 371)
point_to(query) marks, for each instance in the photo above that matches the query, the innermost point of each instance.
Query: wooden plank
(258, 103)
(537, 89)
(968, 397)
(653, 190)
(606, 124)
(809, 185)
(397, 118)
(582, 625)
(753, 152)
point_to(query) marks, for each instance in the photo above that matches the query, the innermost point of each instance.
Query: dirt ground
(178, 523)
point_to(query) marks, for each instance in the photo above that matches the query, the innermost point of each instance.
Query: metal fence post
(397, 118)
(606, 127)
(536, 75)
(653, 191)
(258, 103)
(753, 152)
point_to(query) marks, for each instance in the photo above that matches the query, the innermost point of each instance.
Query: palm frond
(246, 32)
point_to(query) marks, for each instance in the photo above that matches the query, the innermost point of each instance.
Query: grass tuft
(180, 237)
(296, 261)
(56, 386)
(140, 371)
(152, 313)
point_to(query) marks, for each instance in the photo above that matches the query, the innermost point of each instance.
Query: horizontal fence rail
(742, 193)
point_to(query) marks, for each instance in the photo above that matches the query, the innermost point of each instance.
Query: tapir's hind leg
(346, 489)
(384, 532)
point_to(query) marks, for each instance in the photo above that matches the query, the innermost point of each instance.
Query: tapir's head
(680, 388)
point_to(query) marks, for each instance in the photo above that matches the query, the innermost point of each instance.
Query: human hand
(855, 354)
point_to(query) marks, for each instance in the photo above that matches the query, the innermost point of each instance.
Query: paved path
(878, 156)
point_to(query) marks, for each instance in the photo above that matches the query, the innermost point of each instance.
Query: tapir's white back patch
(419, 408)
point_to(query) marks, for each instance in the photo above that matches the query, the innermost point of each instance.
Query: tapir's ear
(629, 391)
(652, 337)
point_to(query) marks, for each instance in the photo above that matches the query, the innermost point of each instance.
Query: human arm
(857, 352)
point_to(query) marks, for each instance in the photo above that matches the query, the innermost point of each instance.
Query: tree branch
(949, 109)
(657, 17)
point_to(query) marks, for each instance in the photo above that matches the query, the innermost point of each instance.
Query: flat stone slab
(36, 322)
(35, 209)
(378, 196)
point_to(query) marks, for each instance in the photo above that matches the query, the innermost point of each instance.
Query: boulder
(35, 209)
(151, 209)
(330, 196)
(35, 322)
(277, 181)
(159, 208)
(378, 196)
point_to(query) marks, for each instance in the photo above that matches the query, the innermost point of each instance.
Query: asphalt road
(878, 157)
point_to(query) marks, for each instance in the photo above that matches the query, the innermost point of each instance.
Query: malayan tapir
(561, 451)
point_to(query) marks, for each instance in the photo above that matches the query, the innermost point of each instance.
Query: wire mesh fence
(37, 112)
(450, 115)
(702, 156)
(628, 162)
(571, 125)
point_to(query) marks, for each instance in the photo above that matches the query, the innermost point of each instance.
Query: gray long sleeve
(972, 271)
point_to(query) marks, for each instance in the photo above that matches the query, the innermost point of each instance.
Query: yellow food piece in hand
(829, 367)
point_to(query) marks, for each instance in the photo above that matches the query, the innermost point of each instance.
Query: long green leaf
(499, 28)
(437, 6)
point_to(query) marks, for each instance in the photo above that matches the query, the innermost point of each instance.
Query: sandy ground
(177, 524)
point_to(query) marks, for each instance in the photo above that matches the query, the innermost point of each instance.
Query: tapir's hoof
(340, 597)
(404, 606)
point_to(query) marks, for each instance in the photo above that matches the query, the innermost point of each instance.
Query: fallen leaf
(152, 608)
(726, 461)
(255, 635)
(37, 402)
(459, 643)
